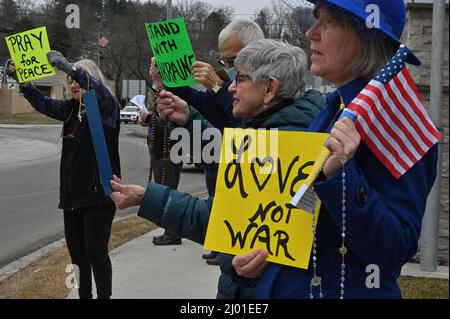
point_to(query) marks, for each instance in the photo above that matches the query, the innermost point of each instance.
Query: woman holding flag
(88, 212)
(380, 169)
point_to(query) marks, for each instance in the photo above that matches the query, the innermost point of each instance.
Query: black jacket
(80, 184)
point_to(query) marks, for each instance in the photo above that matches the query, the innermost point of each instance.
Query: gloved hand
(58, 60)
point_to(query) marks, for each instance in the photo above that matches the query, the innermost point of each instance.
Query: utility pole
(430, 228)
(169, 9)
(102, 16)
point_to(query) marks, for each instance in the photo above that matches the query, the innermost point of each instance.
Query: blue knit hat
(392, 17)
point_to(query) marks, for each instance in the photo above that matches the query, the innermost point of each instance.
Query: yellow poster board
(29, 51)
(259, 174)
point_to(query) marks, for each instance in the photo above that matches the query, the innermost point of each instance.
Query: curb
(22, 126)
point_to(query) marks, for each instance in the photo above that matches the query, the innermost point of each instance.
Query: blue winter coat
(384, 217)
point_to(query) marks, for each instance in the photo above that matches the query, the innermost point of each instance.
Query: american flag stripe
(411, 134)
(411, 119)
(379, 150)
(383, 128)
(393, 128)
(411, 111)
(375, 130)
(411, 94)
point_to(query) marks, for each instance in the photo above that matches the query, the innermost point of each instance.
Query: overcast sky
(241, 6)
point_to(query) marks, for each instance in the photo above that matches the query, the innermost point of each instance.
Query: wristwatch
(217, 87)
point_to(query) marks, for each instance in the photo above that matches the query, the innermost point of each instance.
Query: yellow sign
(259, 173)
(29, 51)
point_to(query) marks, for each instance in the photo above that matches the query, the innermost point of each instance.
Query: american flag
(103, 42)
(392, 119)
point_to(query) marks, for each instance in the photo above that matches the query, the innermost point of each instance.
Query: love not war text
(255, 184)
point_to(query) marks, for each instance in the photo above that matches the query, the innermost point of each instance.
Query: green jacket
(188, 216)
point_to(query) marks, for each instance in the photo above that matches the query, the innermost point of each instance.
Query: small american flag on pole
(103, 42)
(392, 119)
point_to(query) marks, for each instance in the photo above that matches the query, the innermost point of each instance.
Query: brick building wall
(418, 37)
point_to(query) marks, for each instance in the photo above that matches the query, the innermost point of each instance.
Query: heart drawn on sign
(262, 171)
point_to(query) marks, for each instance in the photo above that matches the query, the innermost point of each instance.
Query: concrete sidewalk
(142, 270)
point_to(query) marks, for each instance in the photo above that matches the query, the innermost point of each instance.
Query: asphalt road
(29, 183)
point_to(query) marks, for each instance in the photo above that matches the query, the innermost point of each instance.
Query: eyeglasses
(241, 77)
(227, 61)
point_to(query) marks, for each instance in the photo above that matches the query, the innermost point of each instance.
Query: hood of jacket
(293, 117)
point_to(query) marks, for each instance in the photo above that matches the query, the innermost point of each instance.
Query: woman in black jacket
(88, 212)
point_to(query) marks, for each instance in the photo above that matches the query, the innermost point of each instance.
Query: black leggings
(87, 232)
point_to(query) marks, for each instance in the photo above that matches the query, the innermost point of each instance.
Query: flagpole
(99, 51)
(430, 229)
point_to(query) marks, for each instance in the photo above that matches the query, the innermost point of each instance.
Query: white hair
(247, 29)
(93, 70)
(269, 58)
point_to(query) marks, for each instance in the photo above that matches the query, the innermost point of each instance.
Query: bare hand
(251, 265)
(343, 142)
(126, 196)
(205, 74)
(171, 107)
(156, 76)
(143, 118)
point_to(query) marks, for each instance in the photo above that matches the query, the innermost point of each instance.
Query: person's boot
(210, 255)
(165, 240)
(214, 261)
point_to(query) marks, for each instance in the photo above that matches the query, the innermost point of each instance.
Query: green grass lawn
(26, 118)
(423, 288)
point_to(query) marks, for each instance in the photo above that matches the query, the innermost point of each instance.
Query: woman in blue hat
(361, 244)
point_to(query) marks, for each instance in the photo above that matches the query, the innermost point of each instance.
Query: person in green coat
(268, 92)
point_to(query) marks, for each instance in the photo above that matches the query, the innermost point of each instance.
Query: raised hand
(57, 60)
(173, 108)
(143, 118)
(156, 76)
(205, 74)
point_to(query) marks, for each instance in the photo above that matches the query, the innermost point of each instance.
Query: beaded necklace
(316, 281)
(81, 105)
(166, 143)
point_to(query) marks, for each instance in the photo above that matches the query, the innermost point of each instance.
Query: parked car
(129, 113)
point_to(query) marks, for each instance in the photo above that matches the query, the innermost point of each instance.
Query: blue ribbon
(99, 141)
(349, 114)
